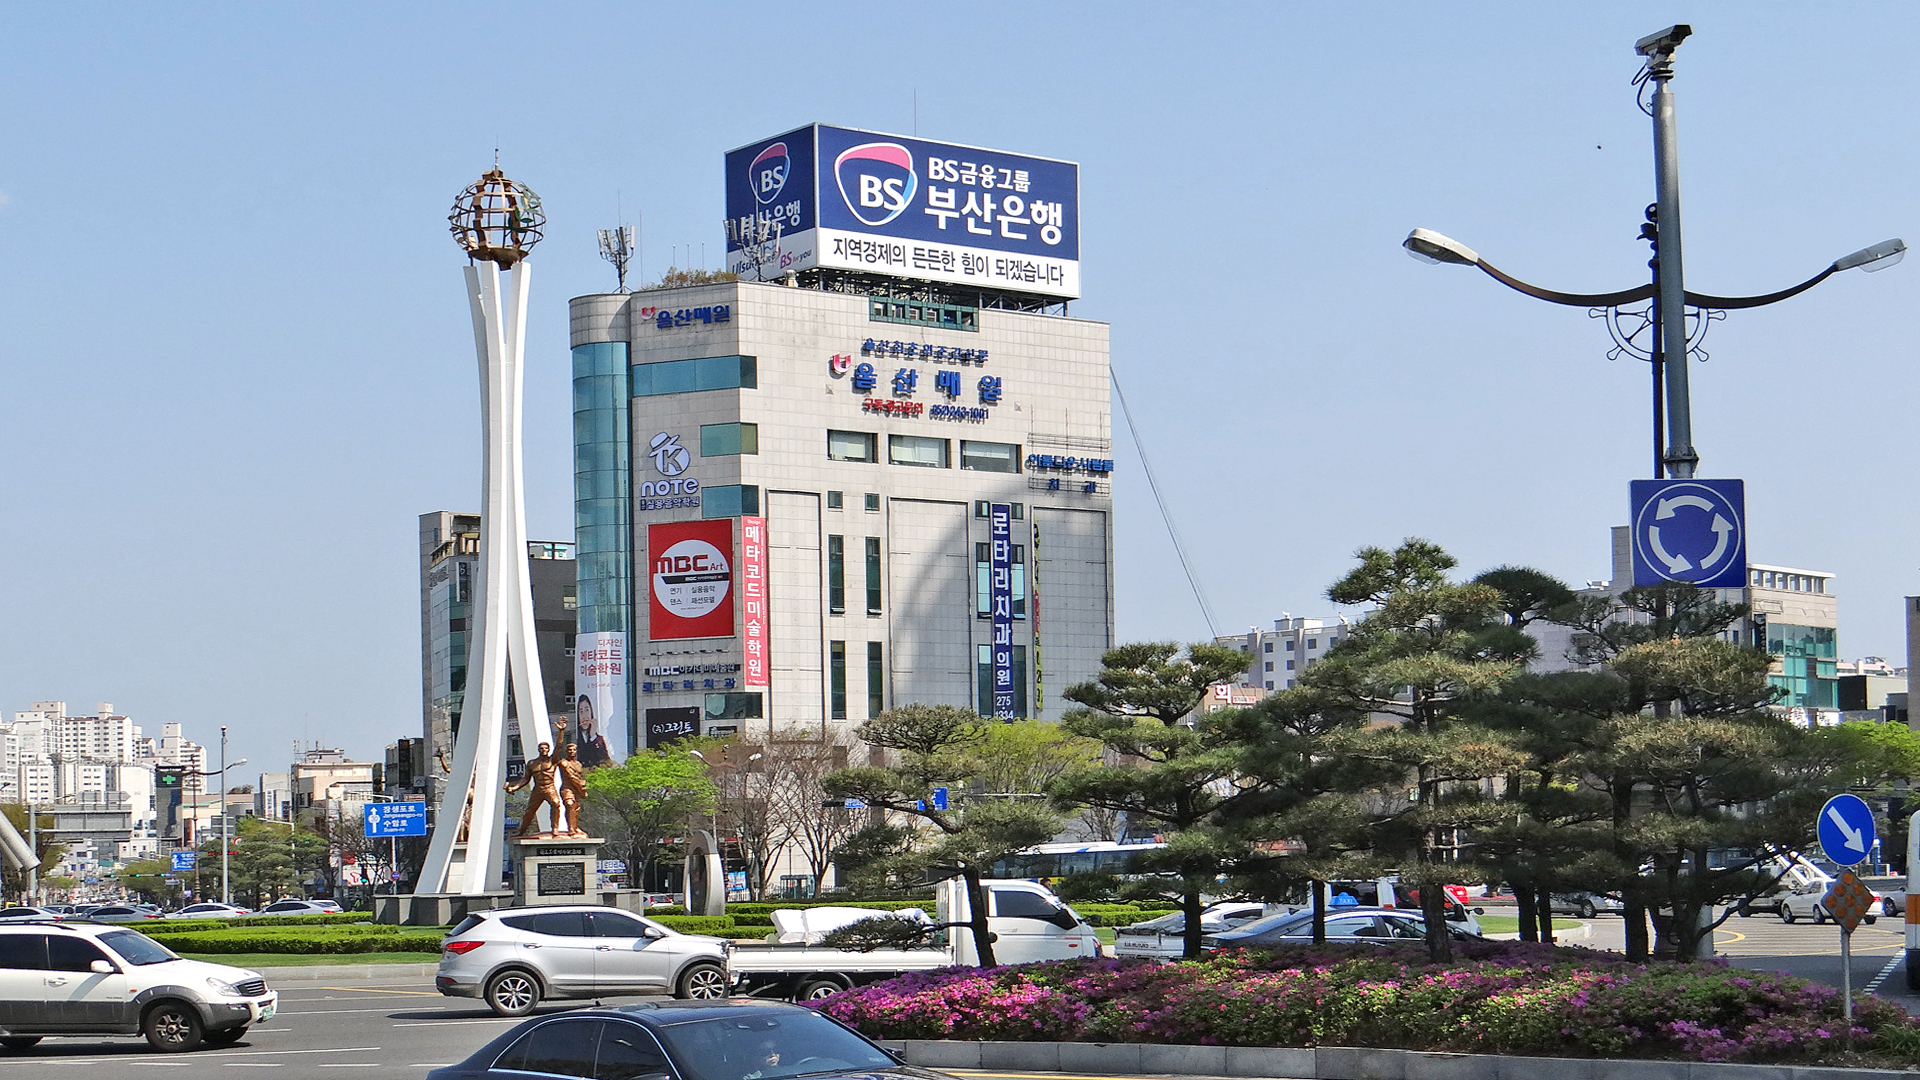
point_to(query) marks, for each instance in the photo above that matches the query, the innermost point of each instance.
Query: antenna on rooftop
(616, 246)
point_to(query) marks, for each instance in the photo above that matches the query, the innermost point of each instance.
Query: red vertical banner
(753, 599)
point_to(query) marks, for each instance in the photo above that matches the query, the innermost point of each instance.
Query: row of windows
(949, 316)
(837, 500)
(1289, 667)
(837, 680)
(837, 575)
(1771, 579)
(923, 451)
(1312, 643)
(691, 376)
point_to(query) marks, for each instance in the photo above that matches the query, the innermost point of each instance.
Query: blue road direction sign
(396, 819)
(1690, 530)
(1847, 832)
(184, 860)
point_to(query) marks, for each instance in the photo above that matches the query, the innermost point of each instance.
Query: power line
(1173, 534)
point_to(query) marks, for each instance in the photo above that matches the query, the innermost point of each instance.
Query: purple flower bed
(1498, 997)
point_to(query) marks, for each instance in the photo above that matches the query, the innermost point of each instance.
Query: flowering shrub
(1498, 997)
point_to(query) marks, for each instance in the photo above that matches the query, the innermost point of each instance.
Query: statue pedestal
(555, 870)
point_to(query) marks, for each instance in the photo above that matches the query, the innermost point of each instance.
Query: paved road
(1765, 943)
(378, 1027)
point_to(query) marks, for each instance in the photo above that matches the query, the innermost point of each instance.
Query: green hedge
(342, 939)
(765, 909)
(717, 925)
(1119, 914)
(348, 918)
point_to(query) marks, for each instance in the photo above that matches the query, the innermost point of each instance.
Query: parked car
(69, 978)
(124, 913)
(331, 905)
(744, 1038)
(295, 907)
(29, 914)
(1794, 873)
(1893, 903)
(1373, 926)
(210, 911)
(1586, 904)
(513, 958)
(1165, 937)
(1807, 903)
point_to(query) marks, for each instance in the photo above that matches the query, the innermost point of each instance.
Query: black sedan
(684, 1040)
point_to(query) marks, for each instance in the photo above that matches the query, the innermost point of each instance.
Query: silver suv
(65, 978)
(515, 957)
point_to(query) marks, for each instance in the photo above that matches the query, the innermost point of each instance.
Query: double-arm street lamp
(1673, 450)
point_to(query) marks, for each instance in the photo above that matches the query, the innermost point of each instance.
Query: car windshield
(1272, 922)
(758, 1046)
(137, 948)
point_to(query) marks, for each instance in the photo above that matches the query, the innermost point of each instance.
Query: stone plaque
(562, 879)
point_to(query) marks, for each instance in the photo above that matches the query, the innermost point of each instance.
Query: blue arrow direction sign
(184, 860)
(1846, 827)
(1690, 530)
(396, 819)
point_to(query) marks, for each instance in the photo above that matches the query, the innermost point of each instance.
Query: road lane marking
(349, 1065)
(1884, 972)
(455, 1023)
(378, 990)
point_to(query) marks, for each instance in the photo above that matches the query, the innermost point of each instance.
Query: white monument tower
(496, 222)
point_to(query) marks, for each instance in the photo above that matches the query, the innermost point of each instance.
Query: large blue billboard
(824, 196)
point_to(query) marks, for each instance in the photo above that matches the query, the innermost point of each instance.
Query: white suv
(74, 979)
(514, 957)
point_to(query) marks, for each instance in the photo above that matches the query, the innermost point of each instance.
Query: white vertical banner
(600, 697)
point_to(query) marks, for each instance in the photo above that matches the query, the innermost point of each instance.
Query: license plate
(266, 1013)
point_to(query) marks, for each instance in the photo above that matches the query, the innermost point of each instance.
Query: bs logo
(877, 181)
(767, 175)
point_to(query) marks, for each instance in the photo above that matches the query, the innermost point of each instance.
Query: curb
(313, 972)
(1336, 1063)
(1571, 933)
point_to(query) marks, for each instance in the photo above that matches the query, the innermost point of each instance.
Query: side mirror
(1479, 911)
(102, 967)
(897, 1053)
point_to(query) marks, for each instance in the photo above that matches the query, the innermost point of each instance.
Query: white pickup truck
(1028, 923)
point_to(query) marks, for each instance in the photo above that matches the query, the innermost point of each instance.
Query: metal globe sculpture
(497, 219)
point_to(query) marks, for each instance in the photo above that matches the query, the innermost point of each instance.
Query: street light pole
(1671, 303)
(226, 893)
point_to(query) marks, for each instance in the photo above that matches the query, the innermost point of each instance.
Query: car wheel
(1786, 912)
(1740, 909)
(20, 1042)
(1886, 908)
(172, 1027)
(1869, 919)
(513, 993)
(815, 989)
(1819, 915)
(1586, 909)
(702, 981)
(224, 1037)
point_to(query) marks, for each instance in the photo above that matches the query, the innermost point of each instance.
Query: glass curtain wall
(602, 510)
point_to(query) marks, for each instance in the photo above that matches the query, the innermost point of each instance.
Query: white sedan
(1809, 903)
(209, 911)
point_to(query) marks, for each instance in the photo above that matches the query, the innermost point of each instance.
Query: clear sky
(237, 360)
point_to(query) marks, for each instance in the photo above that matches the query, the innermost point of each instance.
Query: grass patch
(260, 960)
(1510, 924)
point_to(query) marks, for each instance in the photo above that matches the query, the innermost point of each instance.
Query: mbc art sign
(887, 204)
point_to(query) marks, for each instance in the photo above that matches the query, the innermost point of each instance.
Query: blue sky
(237, 360)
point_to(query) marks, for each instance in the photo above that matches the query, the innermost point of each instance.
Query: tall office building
(881, 476)
(449, 563)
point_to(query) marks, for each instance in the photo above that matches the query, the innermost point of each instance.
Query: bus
(1051, 862)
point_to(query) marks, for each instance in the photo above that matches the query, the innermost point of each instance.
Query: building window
(691, 376)
(1289, 647)
(836, 575)
(733, 707)
(873, 575)
(1289, 665)
(989, 456)
(1269, 684)
(983, 580)
(1269, 665)
(920, 451)
(873, 502)
(1019, 511)
(729, 440)
(1266, 646)
(836, 500)
(729, 500)
(984, 670)
(853, 446)
(837, 679)
(876, 681)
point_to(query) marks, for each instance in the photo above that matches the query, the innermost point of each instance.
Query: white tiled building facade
(877, 499)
